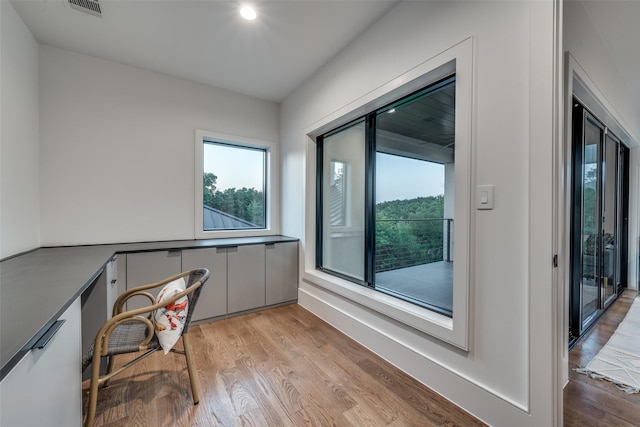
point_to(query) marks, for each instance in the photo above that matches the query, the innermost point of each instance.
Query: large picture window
(400, 197)
(390, 177)
(233, 186)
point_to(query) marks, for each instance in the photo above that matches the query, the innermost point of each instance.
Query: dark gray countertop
(38, 286)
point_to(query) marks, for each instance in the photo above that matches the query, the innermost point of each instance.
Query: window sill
(223, 234)
(416, 317)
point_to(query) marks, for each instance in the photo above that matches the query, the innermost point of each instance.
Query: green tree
(409, 232)
(208, 188)
(245, 203)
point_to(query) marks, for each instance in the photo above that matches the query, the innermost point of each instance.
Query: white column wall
(19, 138)
(510, 271)
(117, 148)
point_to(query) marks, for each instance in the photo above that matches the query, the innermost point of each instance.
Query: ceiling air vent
(91, 7)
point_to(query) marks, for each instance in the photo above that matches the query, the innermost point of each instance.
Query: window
(387, 149)
(403, 162)
(413, 235)
(232, 186)
(233, 197)
(343, 245)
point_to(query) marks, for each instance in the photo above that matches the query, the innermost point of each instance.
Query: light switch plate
(484, 197)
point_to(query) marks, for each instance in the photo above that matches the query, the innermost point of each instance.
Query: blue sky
(234, 167)
(400, 178)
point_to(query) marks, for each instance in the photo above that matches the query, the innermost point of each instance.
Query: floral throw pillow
(169, 320)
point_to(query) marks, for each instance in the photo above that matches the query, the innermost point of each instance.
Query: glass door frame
(605, 270)
(611, 231)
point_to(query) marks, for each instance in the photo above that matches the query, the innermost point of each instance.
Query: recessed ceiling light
(248, 13)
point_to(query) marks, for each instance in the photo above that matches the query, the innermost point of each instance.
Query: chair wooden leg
(93, 392)
(193, 376)
(110, 366)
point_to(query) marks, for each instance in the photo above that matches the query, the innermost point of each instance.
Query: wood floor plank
(348, 381)
(365, 391)
(363, 416)
(280, 367)
(604, 399)
(595, 402)
(277, 398)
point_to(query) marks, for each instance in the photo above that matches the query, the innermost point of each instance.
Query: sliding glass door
(610, 254)
(597, 220)
(589, 232)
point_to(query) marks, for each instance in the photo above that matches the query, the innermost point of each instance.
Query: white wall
(506, 377)
(117, 148)
(19, 139)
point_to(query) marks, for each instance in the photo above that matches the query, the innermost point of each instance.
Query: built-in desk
(37, 287)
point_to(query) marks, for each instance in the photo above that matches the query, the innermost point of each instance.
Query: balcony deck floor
(431, 283)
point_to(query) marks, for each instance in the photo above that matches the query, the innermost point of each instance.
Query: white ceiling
(207, 41)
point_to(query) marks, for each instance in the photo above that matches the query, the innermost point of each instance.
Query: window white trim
(455, 330)
(271, 185)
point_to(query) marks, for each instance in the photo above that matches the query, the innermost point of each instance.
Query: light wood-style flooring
(591, 402)
(279, 367)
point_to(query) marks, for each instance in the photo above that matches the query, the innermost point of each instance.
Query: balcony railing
(402, 243)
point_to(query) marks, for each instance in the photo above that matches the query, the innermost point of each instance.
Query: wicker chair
(133, 331)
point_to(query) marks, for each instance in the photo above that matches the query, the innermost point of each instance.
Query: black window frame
(369, 228)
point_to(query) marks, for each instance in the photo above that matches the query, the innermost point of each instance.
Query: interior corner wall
(19, 135)
(491, 381)
(117, 147)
